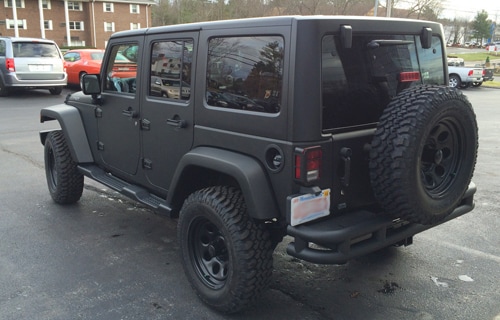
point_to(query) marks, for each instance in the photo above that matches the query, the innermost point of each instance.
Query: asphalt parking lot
(109, 258)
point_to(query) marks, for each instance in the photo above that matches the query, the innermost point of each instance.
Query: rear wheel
(227, 257)
(63, 179)
(56, 90)
(4, 91)
(81, 79)
(423, 153)
(454, 81)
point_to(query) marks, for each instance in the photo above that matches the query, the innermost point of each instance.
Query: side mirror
(426, 38)
(91, 84)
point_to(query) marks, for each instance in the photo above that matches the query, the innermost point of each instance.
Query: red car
(82, 61)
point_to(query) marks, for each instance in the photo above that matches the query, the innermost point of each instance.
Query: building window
(47, 24)
(19, 3)
(108, 7)
(21, 24)
(46, 4)
(74, 5)
(135, 26)
(76, 25)
(134, 8)
(109, 26)
(79, 43)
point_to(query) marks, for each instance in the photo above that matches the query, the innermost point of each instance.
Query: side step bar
(132, 191)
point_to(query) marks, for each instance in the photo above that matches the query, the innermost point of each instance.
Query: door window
(170, 75)
(121, 69)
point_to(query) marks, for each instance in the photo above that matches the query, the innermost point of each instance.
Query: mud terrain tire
(63, 179)
(226, 256)
(423, 153)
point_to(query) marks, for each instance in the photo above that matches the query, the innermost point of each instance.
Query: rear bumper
(55, 80)
(355, 234)
(474, 79)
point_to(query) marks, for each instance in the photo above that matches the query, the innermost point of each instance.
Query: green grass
(477, 56)
(493, 83)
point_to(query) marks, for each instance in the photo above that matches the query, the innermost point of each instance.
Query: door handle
(131, 113)
(178, 123)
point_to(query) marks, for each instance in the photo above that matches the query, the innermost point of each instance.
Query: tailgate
(351, 187)
(39, 68)
(477, 73)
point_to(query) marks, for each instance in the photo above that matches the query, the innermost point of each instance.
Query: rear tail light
(9, 64)
(308, 164)
(409, 76)
(471, 72)
(484, 72)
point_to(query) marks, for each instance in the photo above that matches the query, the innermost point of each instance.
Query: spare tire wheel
(423, 153)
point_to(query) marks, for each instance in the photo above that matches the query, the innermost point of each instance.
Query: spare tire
(423, 153)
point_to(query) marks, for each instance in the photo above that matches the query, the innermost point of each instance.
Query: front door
(118, 117)
(167, 108)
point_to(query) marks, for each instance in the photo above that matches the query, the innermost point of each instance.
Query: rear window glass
(96, 55)
(245, 73)
(34, 50)
(359, 82)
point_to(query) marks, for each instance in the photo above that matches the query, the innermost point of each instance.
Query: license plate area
(40, 67)
(309, 207)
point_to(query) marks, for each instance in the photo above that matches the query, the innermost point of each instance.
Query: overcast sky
(469, 8)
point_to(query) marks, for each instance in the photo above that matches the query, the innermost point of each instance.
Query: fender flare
(72, 127)
(247, 171)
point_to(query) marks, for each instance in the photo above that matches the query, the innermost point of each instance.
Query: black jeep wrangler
(337, 132)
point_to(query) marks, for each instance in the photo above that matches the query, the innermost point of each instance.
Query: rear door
(167, 107)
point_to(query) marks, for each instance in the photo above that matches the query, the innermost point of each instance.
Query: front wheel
(63, 179)
(226, 256)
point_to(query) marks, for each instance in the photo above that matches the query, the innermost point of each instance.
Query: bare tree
(430, 8)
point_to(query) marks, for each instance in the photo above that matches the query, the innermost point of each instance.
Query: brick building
(85, 23)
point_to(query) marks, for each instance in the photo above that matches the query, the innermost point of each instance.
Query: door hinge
(100, 145)
(147, 164)
(98, 112)
(145, 125)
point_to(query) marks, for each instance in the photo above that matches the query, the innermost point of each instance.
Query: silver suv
(31, 63)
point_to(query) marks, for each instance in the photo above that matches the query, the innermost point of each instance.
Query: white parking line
(464, 249)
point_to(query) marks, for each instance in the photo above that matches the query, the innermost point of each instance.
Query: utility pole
(389, 8)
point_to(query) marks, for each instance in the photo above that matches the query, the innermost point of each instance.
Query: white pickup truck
(462, 76)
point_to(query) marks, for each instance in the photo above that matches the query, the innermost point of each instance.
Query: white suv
(31, 63)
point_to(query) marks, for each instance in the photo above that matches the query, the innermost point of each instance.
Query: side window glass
(170, 75)
(245, 73)
(2, 48)
(121, 69)
(72, 56)
(431, 62)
